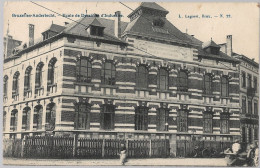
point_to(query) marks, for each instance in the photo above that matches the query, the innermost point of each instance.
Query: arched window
(38, 76)
(108, 73)
(141, 118)
(50, 117)
(82, 118)
(162, 79)
(5, 85)
(27, 80)
(26, 118)
(224, 86)
(182, 82)
(142, 77)
(83, 70)
(207, 84)
(37, 117)
(52, 73)
(107, 117)
(15, 91)
(14, 118)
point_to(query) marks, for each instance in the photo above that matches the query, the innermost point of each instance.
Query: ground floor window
(107, 117)
(182, 120)
(224, 123)
(141, 118)
(162, 119)
(82, 118)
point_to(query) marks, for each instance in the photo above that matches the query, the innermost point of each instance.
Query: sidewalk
(110, 162)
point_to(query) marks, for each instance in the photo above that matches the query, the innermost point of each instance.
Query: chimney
(31, 35)
(229, 45)
(118, 24)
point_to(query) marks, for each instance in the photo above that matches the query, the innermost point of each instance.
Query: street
(110, 162)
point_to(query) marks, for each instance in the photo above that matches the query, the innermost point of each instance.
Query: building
(249, 93)
(102, 78)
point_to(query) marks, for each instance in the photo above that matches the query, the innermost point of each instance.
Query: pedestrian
(256, 158)
(123, 154)
(236, 147)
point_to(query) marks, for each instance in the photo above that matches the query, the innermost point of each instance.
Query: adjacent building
(249, 93)
(142, 79)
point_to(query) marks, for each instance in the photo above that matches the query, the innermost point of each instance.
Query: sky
(240, 19)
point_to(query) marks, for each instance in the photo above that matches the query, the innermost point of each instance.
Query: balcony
(5, 98)
(39, 91)
(27, 94)
(15, 96)
(52, 88)
(251, 92)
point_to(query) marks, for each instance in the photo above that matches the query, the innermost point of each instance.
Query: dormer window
(158, 22)
(95, 28)
(96, 31)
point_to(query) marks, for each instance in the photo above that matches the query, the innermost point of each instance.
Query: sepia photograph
(130, 83)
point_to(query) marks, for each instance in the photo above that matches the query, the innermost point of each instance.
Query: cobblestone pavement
(110, 162)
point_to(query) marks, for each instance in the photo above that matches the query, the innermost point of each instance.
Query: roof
(210, 43)
(95, 22)
(79, 28)
(220, 56)
(194, 40)
(150, 5)
(245, 58)
(55, 28)
(144, 26)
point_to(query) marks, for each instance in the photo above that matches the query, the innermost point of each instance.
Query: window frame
(162, 125)
(208, 121)
(183, 86)
(107, 110)
(111, 79)
(16, 83)
(141, 118)
(207, 85)
(250, 106)
(160, 78)
(243, 80)
(244, 106)
(13, 120)
(224, 119)
(85, 115)
(39, 75)
(88, 68)
(28, 80)
(142, 74)
(182, 119)
(5, 86)
(226, 84)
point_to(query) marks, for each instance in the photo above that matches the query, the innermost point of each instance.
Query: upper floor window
(182, 81)
(27, 79)
(15, 89)
(107, 117)
(256, 108)
(162, 119)
(249, 81)
(244, 104)
(52, 72)
(38, 75)
(108, 73)
(142, 77)
(4, 120)
(83, 70)
(82, 118)
(255, 83)
(182, 120)
(5, 85)
(163, 79)
(224, 86)
(250, 107)
(224, 123)
(207, 122)
(207, 84)
(141, 118)
(243, 79)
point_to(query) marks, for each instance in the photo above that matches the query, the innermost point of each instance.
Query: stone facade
(53, 103)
